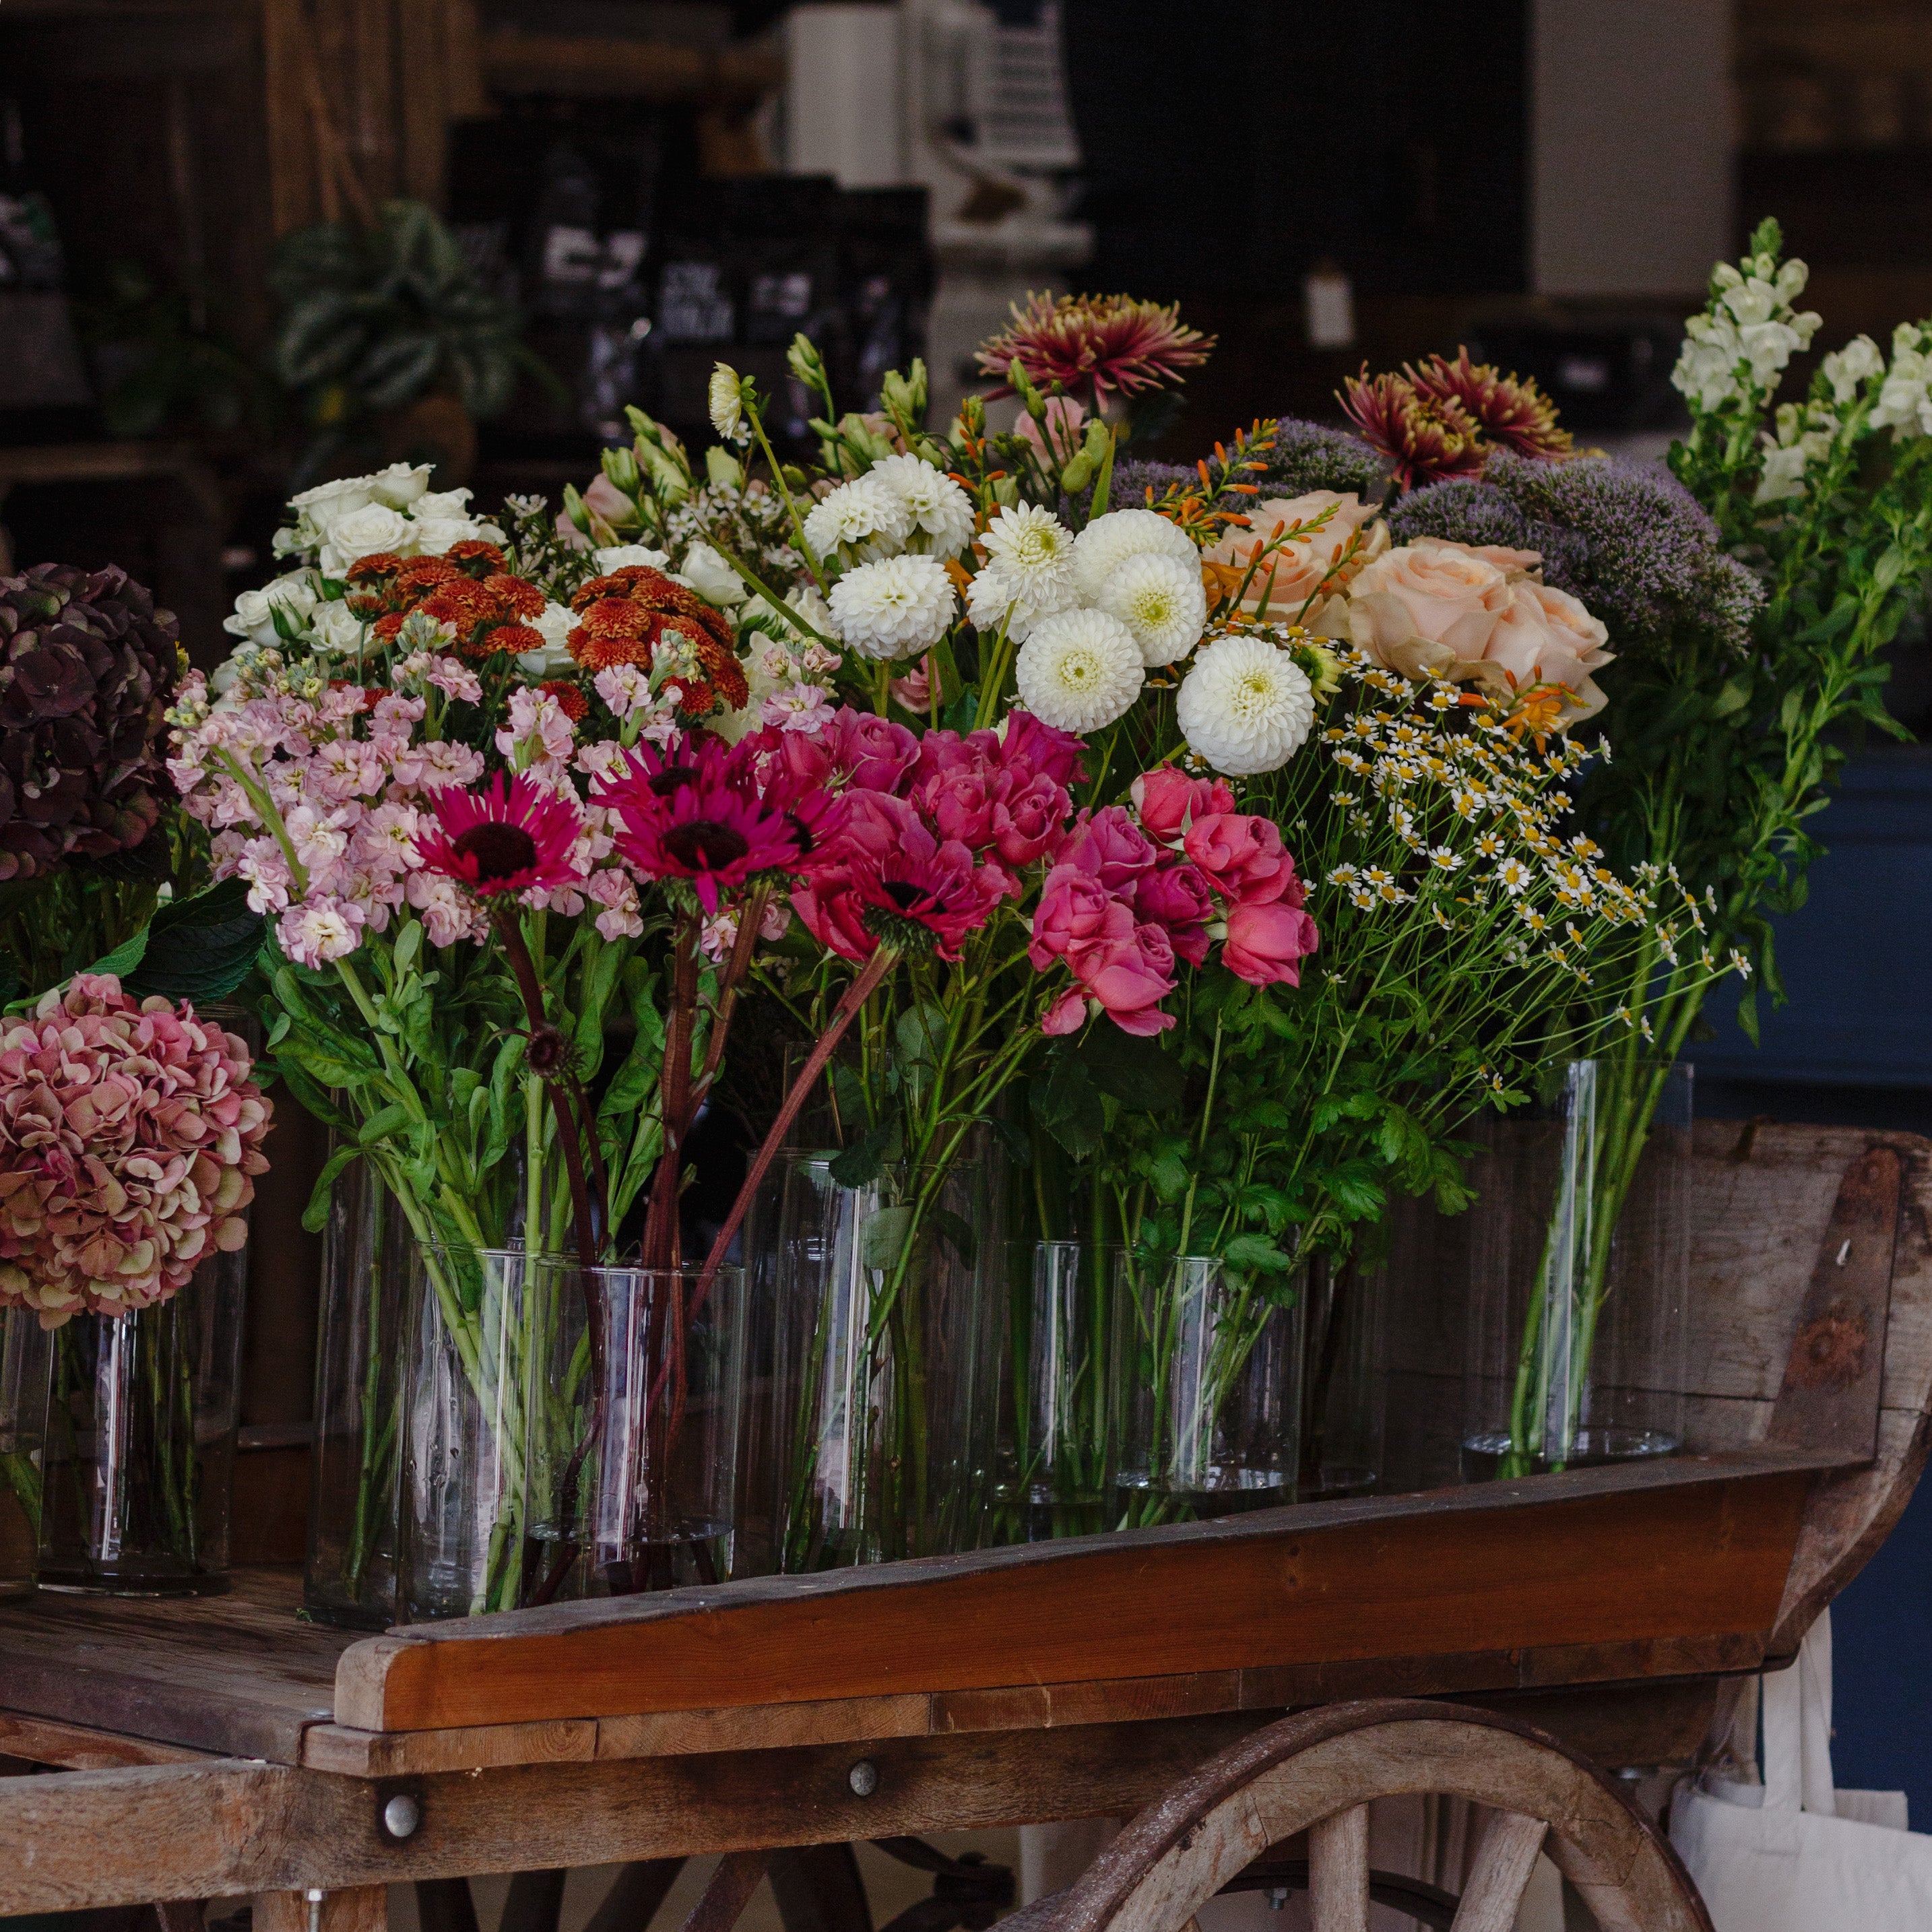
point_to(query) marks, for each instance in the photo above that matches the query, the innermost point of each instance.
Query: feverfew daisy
(1161, 600)
(1078, 671)
(1246, 706)
(941, 513)
(864, 515)
(1108, 541)
(894, 608)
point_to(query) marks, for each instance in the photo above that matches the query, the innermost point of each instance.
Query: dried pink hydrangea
(131, 1135)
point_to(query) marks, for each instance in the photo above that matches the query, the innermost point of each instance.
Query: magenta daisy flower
(515, 837)
(925, 894)
(692, 812)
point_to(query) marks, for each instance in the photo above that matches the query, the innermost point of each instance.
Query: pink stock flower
(320, 929)
(515, 837)
(1107, 844)
(1243, 855)
(1168, 801)
(1266, 943)
(1176, 898)
(130, 1138)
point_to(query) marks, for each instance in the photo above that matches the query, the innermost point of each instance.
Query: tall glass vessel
(1579, 1244)
(25, 1353)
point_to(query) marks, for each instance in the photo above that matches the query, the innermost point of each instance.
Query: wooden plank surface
(1692, 1548)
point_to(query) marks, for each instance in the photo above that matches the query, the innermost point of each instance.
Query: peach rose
(1289, 577)
(1511, 562)
(1546, 636)
(1420, 607)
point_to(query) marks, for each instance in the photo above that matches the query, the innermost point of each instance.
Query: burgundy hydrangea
(88, 666)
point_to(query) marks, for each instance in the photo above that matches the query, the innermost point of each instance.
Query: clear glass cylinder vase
(349, 1579)
(635, 1409)
(1206, 1387)
(25, 1353)
(882, 1368)
(140, 1456)
(1342, 1378)
(1580, 1250)
(1055, 1467)
(465, 1382)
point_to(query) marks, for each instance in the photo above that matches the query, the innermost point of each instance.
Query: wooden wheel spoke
(728, 1891)
(1504, 1862)
(1338, 1871)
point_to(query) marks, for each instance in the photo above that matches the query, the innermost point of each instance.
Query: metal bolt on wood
(863, 1778)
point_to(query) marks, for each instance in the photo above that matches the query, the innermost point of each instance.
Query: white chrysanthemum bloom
(1034, 550)
(725, 400)
(1079, 670)
(620, 556)
(894, 608)
(941, 513)
(864, 514)
(1246, 707)
(1161, 601)
(1108, 541)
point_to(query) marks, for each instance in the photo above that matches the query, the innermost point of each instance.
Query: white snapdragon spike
(620, 556)
(1247, 706)
(1904, 405)
(1108, 541)
(706, 572)
(1078, 671)
(1844, 369)
(724, 401)
(556, 622)
(940, 512)
(1754, 325)
(894, 608)
(862, 515)
(1804, 438)
(1161, 601)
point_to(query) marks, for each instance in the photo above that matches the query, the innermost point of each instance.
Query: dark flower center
(664, 783)
(499, 850)
(907, 897)
(705, 845)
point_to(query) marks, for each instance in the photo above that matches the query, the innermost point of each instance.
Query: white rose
(435, 536)
(441, 503)
(338, 630)
(254, 619)
(621, 556)
(362, 533)
(714, 580)
(328, 501)
(556, 622)
(400, 484)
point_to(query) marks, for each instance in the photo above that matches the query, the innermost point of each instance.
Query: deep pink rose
(1109, 845)
(1027, 744)
(1168, 801)
(948, 751)
(1068, 1014)
(1266, 943)
(1129, 971)
(961, 803)
(1032, 810)
(873, 752)
(1243, 855)
(1177, 897)
(1072, 911)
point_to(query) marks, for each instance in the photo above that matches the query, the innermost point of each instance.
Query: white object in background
(1796, 1854)
(844, 101)
(1329, 298)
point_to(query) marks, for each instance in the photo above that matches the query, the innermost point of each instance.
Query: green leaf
(863, 1161)
(199, 948)
(1256, 1251)
(1137, 1073)
(958, 1231)
(315, 1215)
(383, 1124)
(882, 1238)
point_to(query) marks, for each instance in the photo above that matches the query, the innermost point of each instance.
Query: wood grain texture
(1691, 1548)
(361, 1908)
(515, 62)
(1505, 1860)
(1338, 1871)
(82, 1747)
(352, 1753)
(769, 1726)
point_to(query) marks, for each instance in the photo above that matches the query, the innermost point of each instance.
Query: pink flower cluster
(1130, 892)
(932, 832)
(354, 776)
(131, 1135)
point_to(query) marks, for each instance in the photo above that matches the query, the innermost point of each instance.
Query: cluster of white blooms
(1905, 397)
(1804, 437)
(1246, 706)
(337, 524)
(1751, 326)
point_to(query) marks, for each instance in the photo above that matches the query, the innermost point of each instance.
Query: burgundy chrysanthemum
(1509, 409)
(513, 837)
(1428, 439)
(1093, 344)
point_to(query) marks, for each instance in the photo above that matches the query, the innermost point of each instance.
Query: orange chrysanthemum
(570, 699)
(473, 550)
(517, 596)
(386, 627)
(499, 637)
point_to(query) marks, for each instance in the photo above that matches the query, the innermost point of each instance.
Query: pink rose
(1176, 898)
(1130, 971)
(1072, 911)
(1026, 743)
(1168, 801)
(1068, 1014)
(914, 690)
(1546, 636)
(1266, 943)
(1285, 578)
(1423, 606)
(872, 751)
(1031, 814)
(1109, 845)
(1243, 856)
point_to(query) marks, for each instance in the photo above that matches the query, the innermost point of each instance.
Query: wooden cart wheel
(1317, 1773)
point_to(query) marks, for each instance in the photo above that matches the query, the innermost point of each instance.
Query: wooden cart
(1512, 1644)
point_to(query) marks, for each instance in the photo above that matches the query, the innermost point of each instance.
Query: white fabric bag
(1796, 1854)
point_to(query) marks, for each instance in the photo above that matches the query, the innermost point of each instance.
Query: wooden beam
(82, 1747)
(515, 62)
(1698, 1548)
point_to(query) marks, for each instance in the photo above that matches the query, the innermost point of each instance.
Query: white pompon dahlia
(1108, 541)
(1161, 601)
(894, 608)
(940, 511)
(725, 400)
(1246, 706)
(1078, 671)
(862, 514)
(1033, 550)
